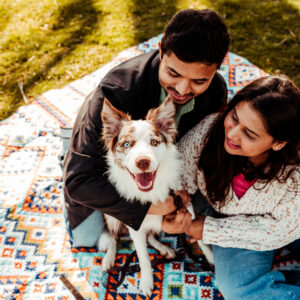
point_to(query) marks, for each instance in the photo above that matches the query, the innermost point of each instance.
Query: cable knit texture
(266, 217)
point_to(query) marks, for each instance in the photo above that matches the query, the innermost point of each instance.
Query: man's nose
(183, 87)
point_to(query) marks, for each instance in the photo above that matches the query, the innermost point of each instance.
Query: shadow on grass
(160, 11)
(86, 18)
(266, 32)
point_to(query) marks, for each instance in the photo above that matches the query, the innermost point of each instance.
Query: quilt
(35, 250)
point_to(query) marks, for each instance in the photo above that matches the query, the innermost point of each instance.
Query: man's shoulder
(215, 97)
(126, 84)
(132, 69)
(218, 81)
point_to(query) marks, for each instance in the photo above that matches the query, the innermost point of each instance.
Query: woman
(245, 162)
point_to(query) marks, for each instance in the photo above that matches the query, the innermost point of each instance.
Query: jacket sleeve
(261, 232)
(85, 182)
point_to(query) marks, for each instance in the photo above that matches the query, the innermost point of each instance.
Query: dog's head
(139, 147)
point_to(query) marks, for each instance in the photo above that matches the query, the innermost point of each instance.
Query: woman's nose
(233, 133)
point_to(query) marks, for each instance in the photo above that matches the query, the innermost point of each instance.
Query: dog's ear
(164, 118)
(112, 121)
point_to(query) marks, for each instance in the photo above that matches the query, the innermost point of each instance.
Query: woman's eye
(234, 118)
(126, 145)
(249, 136)
(154, 142)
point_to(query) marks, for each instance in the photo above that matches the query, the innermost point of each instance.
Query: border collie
(143, 165)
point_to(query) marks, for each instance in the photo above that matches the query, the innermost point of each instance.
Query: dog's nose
(143, 163)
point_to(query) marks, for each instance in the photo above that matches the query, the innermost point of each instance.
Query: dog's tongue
(145, 179)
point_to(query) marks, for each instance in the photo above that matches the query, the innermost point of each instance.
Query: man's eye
(126, 145)
(154, 142)
(199, 82)
(173, 74)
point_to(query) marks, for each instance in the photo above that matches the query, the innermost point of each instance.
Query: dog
(143, 164)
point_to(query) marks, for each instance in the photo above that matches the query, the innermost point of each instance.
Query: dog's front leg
(161, 248)
(109, 259)
(207, 251)
(140, 244)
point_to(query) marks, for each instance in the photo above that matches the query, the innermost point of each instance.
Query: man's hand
(168, 206)
(163, 208)
(178, 222)
(184, 196)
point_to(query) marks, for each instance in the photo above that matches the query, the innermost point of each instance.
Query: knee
(241, 273)
(80, 239)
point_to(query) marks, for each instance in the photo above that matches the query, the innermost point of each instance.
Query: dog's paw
(167, 252)
(108, 262)
(146, 285)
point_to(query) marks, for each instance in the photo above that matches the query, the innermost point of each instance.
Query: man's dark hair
(196, 36)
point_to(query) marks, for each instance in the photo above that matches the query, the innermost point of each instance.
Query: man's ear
(278, 145)
(159, 49)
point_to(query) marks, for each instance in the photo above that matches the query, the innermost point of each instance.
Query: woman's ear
(278, 145)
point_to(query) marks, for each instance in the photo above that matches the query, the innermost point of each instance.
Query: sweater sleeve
(261, 232)
(190, 147)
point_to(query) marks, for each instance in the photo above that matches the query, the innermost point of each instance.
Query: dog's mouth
(144, 180)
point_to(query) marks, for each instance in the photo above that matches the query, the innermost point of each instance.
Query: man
(193, 47)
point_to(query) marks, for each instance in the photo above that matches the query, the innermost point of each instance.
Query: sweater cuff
(210, 231)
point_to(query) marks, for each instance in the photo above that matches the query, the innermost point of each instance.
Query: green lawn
(45, 44)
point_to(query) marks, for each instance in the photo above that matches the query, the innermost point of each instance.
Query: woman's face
(246, 135)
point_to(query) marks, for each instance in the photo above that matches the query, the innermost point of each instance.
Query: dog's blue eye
(126, 144)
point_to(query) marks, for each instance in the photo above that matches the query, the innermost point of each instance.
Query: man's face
(184, 81)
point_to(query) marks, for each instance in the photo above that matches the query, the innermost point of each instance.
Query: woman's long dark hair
(278, 100)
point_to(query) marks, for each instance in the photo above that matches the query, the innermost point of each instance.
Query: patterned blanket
(34, 246)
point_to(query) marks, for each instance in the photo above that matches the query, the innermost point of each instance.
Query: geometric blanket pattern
(35, 249)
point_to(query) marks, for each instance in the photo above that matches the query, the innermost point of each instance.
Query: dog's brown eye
(154, 142)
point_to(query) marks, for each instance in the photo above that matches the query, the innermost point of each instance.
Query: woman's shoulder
(202, 128)
(286, 181)
(194, 139)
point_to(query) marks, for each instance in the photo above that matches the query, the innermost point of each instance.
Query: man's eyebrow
(196, 79)
(253, 132)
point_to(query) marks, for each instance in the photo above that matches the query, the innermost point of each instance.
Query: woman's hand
(195, 231)
(178, 222)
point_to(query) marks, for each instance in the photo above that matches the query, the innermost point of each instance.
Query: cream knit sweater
(267, 217)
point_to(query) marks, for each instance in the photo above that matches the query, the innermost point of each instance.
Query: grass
(45, 44)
